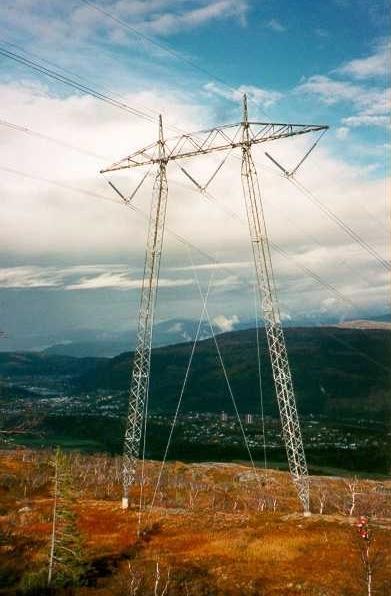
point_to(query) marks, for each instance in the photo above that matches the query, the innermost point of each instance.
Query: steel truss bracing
(271, 315)
(224, 138)
(221, 138)
(142, 357)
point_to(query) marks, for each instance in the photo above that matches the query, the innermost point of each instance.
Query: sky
(72, 254)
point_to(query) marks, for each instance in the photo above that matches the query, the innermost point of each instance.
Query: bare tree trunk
(352, 487)
(163, 590)
(322, 502)
(157, 578)
(369, 581)
(51, 557)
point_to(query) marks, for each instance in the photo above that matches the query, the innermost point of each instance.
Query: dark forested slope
(335, 371)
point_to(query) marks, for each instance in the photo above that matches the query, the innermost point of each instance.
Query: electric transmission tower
(139, 386)
(243, 136)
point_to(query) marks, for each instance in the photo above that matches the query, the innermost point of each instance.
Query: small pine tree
(66, 564)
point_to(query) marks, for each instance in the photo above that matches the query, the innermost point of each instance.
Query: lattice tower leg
(274, 332)
(139, 386)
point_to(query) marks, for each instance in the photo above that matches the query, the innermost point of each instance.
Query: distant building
(248, 418)
(224, 417)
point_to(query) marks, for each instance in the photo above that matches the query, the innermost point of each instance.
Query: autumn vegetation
(213, 529)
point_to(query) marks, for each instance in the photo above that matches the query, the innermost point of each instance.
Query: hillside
(341, 377)
(335, 371)
(21, 364)
(213, 529)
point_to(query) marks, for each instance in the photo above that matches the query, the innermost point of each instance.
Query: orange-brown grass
(216, 528)
(106, 529)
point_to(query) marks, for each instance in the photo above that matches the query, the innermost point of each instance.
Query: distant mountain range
(165, 333)
(177, 331)
(336, 372)
(98, 343)
(362, 324)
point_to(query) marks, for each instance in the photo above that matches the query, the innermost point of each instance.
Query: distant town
(197, 428)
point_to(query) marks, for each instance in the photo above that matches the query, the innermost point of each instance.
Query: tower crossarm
(220, 138)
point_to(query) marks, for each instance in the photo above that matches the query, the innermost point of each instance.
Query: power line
(74, 84)
(183, 388)
(344, 226)
(207, 195)
(225, 373)
(28, 131)
(177, 236)
(332, 216)
(34, 133)
(96, 195)
(318, 279)
(308, 271)
(158, 44)
(85, 89)
(106, 98)
(232, 214)
(256, 306)
(166, 48)
(347, 229)
(57, 66)
(362, 354)
(185, 242)
(44, 60)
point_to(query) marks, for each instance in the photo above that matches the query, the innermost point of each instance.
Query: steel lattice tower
(242, 135)
(271, 316)
(139, 386)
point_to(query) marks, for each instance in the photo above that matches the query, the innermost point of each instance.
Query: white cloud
(371, 103)
(175, 328)
(276, 25)
(342, 133)
(226, 323)
(285, 316)
(227, 283)
(79, 277)
(46, 223)
(122, 281)
(57, 21)
(167, 23)
(332, 91)
(39, 276)
(40, 219)
(215, 266)
(179, 328)
(328, 304)
(371, 66)
(29, 277)
(105, 280)
(262, 97)
(365, 119)
(36, 276)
